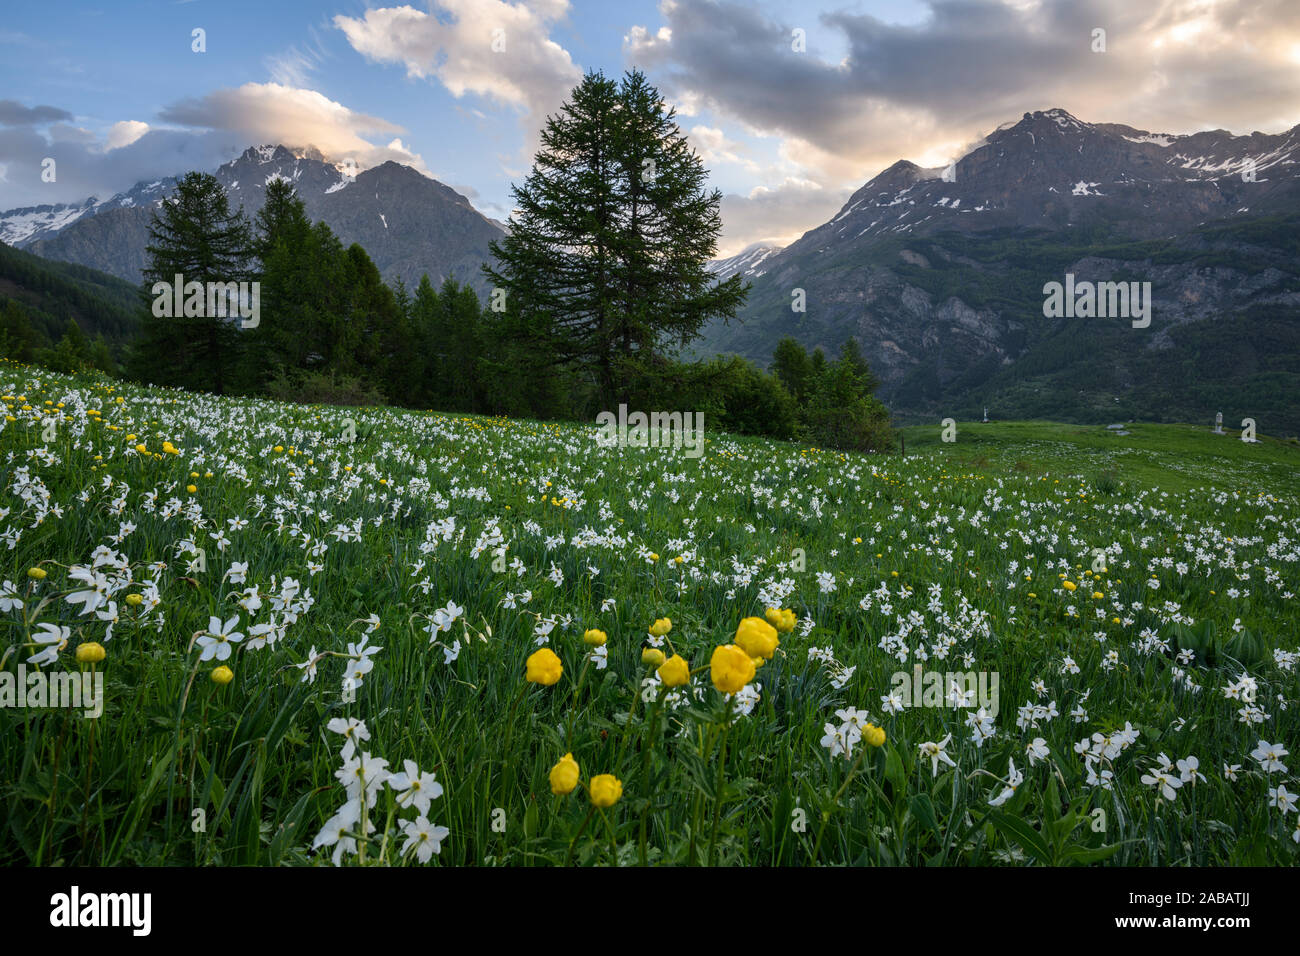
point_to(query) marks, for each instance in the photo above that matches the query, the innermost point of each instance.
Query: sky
(792, 106)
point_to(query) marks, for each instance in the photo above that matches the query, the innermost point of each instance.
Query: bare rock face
(940, 272)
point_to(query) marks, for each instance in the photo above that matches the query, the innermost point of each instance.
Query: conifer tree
(195, 235)
(605, 262)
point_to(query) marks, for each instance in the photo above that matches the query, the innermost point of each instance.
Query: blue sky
(116, 94)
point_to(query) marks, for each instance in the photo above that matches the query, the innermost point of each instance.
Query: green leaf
(1021, 832)
(923, 810)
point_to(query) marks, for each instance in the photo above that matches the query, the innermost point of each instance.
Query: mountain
(748, 263)
(21, 226)
(409, 223)
(940, 274)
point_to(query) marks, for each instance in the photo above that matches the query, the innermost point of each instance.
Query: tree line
(600, 284)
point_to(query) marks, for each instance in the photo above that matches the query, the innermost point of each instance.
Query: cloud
(714, 147)
(297, 118)
(86, 167)
(290, 68)
(197, 133)
(929, 91)
(124, 134)
(776, 215)
(13, 113)
(295, 65)
(489, 48)
(910, 91)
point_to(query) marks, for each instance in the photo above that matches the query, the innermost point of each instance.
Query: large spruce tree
(287, 259)
(604, 266)
(195, 235)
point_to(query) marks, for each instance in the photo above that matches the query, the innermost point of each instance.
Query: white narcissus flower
(445, 617)
(54, 637)
(109, 614)
(93, 596)
(334, 832)
(936, 753)
(353, 732)
(363, 773)
(308, 667)
(1270, 756)
(216, 641)
(1278, 797)
(1014, 779)
(1189, 771)
(1037, 750)
(833, 740)
(415, 789)
(1161, 779)
(981, 727)
(9, 599)
(422, 837)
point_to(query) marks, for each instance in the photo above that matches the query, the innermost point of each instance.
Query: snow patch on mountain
(19, 225)
(1159, 139)
(746, 263)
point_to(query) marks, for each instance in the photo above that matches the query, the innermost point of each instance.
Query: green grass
(963, 552)
(1171, 457)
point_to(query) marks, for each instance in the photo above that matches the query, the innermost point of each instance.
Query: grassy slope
(257, 756)
(1169, 457)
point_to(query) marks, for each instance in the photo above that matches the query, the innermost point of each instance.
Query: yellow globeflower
(675, 671)
(1069, 585)
(1097, 595)
(731, 668)
(544, 667)
(90, 653)
(222, 675)
(36, 574)
(661, 627)
(564, 775)
(141, 448)
(757, 637)
(606, 790)
(135, 600)
(191, 488)
(594, 638)
(873, 735)
(652, 656)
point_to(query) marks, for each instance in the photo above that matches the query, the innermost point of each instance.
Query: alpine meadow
(555, 434)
